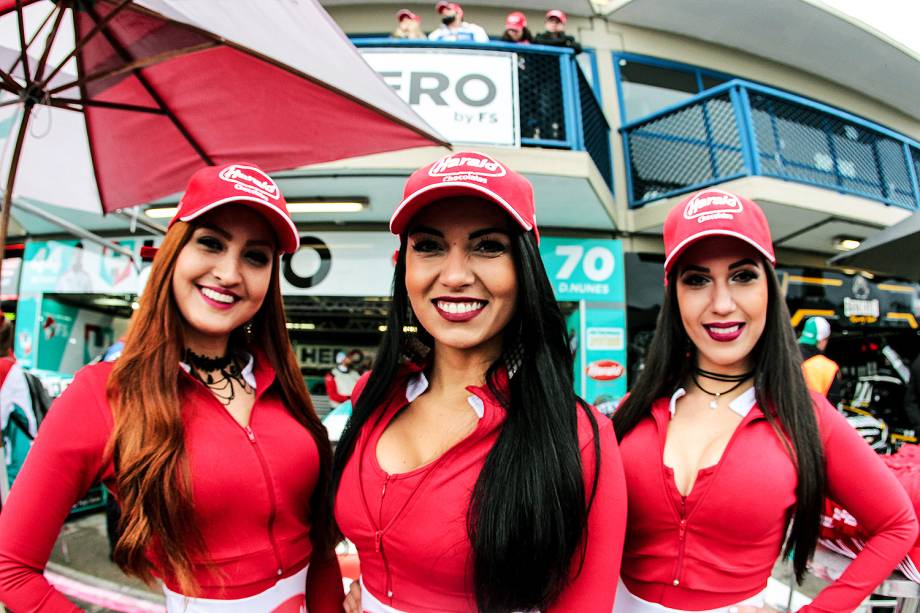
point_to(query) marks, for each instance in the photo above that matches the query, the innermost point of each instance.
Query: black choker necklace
(715, 376)
(222, 375)
(207, 363)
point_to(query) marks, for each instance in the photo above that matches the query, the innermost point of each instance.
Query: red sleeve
(859, 480)
(360, 384)
(332, 390)
(325, 591)
(66, 459)
(594, 588)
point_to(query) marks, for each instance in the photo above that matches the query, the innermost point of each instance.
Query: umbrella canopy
(108, 104)
(893, 251)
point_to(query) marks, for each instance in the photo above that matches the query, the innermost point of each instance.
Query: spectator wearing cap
(408, 25)
(516, 29)
(555, 35)
(453, 28)
(822, 374)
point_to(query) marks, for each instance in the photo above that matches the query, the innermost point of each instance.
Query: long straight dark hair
(528, 509)
(781, 393)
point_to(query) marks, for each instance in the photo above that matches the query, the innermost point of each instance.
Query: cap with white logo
(213, 186)
(816, 329)
(713, 212)
(467, 173)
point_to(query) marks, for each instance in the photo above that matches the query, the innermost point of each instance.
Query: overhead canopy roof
(806, 34)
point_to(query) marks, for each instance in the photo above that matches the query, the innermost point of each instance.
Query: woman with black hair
(723, 445)
(471, 477)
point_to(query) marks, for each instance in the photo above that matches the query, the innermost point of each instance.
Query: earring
(247, 329)
(514, 354)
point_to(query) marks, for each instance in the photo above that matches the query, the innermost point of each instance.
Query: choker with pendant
(716, 376)
(223, 375)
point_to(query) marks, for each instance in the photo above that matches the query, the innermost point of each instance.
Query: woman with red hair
(203, 428)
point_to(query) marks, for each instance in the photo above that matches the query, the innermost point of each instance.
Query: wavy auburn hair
(148, 444)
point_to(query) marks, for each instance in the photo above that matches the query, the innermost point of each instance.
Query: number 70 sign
(584, 269)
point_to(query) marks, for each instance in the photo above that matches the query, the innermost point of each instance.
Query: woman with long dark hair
(727, 455)
(203, 428)
(471, 477)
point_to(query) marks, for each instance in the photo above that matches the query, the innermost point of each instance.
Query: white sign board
(468, 96)
(340, 264)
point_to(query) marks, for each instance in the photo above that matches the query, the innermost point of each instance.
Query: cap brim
(285, 230)
(688, 242)
(416, 201)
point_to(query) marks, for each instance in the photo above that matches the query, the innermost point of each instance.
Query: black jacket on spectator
(558, 39)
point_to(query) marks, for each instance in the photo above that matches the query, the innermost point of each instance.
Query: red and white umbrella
(107, 104)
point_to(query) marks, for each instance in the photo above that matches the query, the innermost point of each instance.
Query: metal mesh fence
(692, 146)
(801, 143)
(542, 112)
(596, 129)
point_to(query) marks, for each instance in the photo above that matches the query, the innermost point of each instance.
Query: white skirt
(370, 604)
(286, 596)
(626, 602)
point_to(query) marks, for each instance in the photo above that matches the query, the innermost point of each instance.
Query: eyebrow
(227, 236)
(438, 233)
(744, 262)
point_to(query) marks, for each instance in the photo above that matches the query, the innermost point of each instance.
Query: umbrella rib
(99, 25)
(22, 45)
(49, 42)
(8, 84)
(126, 57)
(118, 106)
(34, 36)
(141, 63)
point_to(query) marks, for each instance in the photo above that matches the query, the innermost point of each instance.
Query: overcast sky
(899, 19)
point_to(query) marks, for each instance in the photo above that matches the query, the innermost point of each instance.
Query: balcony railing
(556, 104)
(742, 129)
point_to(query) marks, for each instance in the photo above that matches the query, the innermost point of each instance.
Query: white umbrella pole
(11, 178)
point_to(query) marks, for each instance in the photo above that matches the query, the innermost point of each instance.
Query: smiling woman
(470, 475)
(727, 456)
(203, 428)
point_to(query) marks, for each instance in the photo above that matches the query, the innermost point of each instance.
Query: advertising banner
(590, 272)
(468, 96)
(585, 269)
(77, 267)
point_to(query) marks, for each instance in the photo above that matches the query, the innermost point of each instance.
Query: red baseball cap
(407, 14)
(714, 212)
(442, 6)
(557, 14)
(213, 186)
(467, 173)
(515, 21)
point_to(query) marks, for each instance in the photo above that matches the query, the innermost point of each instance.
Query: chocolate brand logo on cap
(713, 204)
(251, 180)
(478, 164)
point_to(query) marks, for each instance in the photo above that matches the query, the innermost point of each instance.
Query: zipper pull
(683, 528)
(378, 541)
(250, 434)
(383, 490)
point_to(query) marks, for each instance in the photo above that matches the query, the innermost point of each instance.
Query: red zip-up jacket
(410, 528)
(251, 490)
(716, 546)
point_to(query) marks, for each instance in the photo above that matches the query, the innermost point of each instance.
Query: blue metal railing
(556, 104)
(742, 129)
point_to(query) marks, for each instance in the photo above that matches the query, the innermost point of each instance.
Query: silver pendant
(714, 404)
